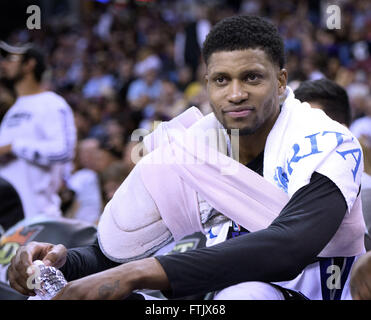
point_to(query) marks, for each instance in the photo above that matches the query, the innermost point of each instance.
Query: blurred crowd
(126, 64)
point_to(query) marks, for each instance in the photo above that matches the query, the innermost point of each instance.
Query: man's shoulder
(307, 120)
(51, 95)
(53, 101)
(137, 83)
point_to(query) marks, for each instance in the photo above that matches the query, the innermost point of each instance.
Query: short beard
(255, 128)
(244, 131)
(7, 83)
(10, 83)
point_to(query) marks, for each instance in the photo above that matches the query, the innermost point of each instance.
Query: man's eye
(252, 77)
(220, 80)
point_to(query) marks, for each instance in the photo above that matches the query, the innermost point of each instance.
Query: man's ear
(30, 65)
(206, 77)
(282, 81)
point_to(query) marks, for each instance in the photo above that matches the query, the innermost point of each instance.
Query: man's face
(243, 88)
(11, 67)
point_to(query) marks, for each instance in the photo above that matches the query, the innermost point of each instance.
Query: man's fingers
(19, 277)
(19, 283)
(25, 260)
(30, 252)
(56, 257)
(20, 289)
(20, 271)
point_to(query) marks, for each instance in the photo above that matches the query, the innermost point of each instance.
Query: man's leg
(252, 290)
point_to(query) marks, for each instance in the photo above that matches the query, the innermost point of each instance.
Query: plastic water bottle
(48, 281)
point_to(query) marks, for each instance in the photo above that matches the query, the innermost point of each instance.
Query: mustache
(7, 83)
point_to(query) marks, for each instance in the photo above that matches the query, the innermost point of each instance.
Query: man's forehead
(239, 59)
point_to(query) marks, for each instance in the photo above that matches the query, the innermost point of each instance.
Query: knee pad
(131, 226)
(251, 290)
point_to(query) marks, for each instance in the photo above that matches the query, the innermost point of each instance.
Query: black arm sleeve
(278, 253)
(84, 261)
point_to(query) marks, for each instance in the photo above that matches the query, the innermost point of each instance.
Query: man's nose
(237, 94)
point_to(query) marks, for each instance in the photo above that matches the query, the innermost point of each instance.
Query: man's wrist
(146, 274)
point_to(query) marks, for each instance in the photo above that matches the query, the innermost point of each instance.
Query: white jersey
(85, 183)
(41, 130)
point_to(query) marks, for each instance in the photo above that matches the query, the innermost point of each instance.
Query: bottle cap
(38, 263)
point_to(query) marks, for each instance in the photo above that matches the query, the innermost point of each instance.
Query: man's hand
(117, 283)
(111, 284)
(360, 281)
(19, 270)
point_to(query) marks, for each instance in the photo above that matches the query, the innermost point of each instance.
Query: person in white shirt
(85, 183)
(37, 134)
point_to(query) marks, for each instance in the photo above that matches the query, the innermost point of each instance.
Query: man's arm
(57, 144)
(84, 261)
(278, 253)
(117, 283)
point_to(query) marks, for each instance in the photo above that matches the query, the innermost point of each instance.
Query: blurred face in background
(11, 67)
(150, 76)
(87, 152)
(104, 159)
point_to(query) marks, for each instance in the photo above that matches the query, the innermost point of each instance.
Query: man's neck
(27, 86)
(250, 146)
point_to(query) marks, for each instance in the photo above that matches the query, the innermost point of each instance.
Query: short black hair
(329, 95)
(245, 32)
(40, 66)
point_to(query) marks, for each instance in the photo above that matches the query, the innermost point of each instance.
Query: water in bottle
(48, 281)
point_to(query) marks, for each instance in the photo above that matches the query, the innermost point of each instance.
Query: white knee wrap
(131, 226)
(252, 290)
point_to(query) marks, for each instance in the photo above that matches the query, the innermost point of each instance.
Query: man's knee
(252, 290)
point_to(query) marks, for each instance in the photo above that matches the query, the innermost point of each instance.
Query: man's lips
(238, 112)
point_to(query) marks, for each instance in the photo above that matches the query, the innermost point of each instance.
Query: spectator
(85, 184)
(170, 103)
(37, 134)
(99, 84)
(112, 178)
(144, 91)
(7, 97)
